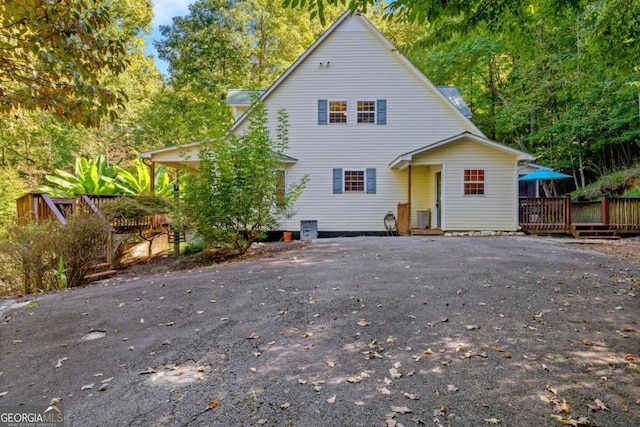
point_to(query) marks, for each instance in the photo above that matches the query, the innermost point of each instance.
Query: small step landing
(426, 232)
(594, 231)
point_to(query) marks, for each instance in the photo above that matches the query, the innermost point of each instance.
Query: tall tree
(223, 44)
(54, 55)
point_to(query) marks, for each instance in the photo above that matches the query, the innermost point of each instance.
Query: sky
(163, 11)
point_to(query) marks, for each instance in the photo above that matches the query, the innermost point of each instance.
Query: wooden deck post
(567, 213)
(604, 210)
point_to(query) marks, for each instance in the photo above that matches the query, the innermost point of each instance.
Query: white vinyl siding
(493, 211)
(364, 68)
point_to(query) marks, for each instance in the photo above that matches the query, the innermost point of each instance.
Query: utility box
(308, 229)
(424, 218)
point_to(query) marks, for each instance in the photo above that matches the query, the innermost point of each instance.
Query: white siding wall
(361, 67)
(496, 209)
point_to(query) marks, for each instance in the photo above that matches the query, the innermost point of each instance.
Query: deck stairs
(99, 272)
(593, 231)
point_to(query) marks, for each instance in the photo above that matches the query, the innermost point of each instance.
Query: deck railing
(548, 214)
(557, 214)
(40, 207)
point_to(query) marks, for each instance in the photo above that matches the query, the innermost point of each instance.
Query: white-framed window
(474, 182)
(337, 112)
(366, 111)
(354, 180)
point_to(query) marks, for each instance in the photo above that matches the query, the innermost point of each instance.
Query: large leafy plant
(97, 177)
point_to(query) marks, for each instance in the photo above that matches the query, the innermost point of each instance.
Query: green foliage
(622, 183)
(91, 177)
(140, 182)
(69, 47)
(10, 189)
(233, 200)
(97, 177)
(136, 207)
(223, 44)
(40, 258)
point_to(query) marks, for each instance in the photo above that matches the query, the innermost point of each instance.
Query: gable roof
(357, 15)
(404, 160)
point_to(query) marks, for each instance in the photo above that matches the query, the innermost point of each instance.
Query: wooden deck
(608, 218)
(40, 207)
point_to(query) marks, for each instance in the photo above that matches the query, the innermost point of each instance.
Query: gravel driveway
(513, 331)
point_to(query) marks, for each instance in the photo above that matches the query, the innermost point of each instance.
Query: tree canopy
(55, 55)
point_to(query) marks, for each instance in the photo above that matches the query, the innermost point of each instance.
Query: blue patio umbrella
(544, 175)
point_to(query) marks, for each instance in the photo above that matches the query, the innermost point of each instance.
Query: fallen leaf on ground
(285, 405)
(332, 399)
(495, 348)
(262, 421)
(629, 357)
(362, 322)
(452, 387)
(472, 327)
(395, 374)
(4, 393)
(410, 395)
(507, 356)
(600, 404)
(306, 334)
(428, 351)
(87, 387)
(212, 404)
(401, 409)
(492, 420)
(544, 398)
(253, 336)
(552, 390)
(59, 364)
(383, 390)
(561, 408)
(359, 403)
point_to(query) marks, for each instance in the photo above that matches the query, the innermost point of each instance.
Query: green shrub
(40, 258)
(136, 207)
(29, 254)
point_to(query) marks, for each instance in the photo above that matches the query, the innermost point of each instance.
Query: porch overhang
(404, 160)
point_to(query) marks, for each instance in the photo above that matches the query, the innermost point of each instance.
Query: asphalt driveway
(514, 331)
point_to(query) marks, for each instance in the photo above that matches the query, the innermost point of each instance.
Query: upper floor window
(474, 181)
(337, 111)
(372, 111)
(366, 111)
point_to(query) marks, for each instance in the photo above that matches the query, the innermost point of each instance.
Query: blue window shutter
(381, 110)
(337, 180)
(371, 180)
(322, 112)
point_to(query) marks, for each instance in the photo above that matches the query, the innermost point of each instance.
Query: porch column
(409, 192)
(152, 177)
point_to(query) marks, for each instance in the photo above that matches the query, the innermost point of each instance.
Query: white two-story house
(376, 136)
